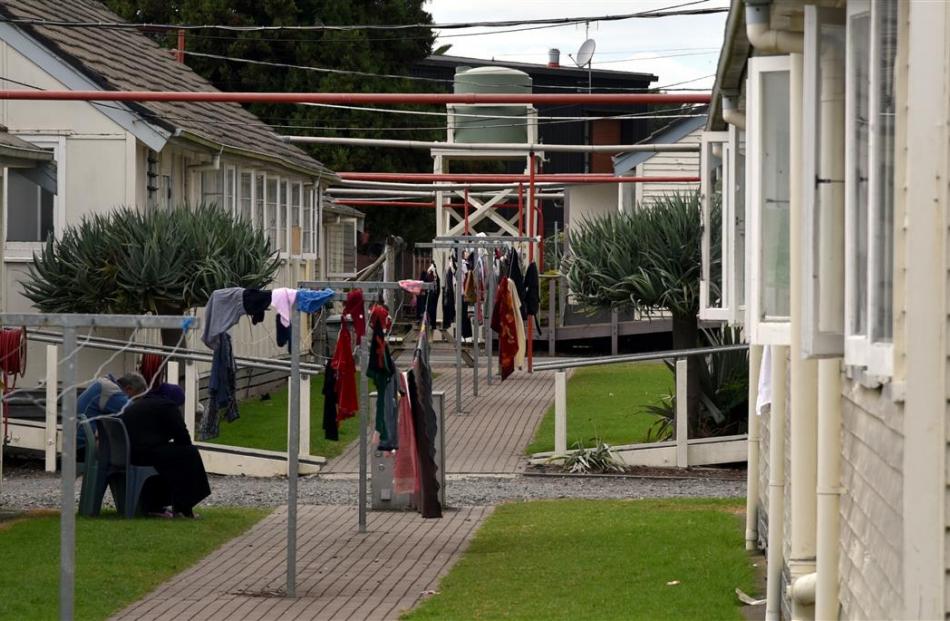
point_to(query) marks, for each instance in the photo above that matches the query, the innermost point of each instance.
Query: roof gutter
(762, 37)
(324, 176)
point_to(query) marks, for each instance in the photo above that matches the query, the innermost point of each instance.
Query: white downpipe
(804, 373)
(777, 418)
(827, 530)
(803, 590)
(829, 487)
(752, 484)
(762, 37)
(730, 112)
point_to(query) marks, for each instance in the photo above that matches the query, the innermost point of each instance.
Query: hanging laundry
(331, 429)
(448, 298)
(282, 300)
(381, 369)
(347, 403)
(256, 302)
(407, 469)
(503, 323)
(353, 306)
(412, 286)
(516, 276)
(222, 388)
(425, 425)
(469, 291)
(519, 328)
(283, 333)
(310, 301)
(224, 308)
(532, 294)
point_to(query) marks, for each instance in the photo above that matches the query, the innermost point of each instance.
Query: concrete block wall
(871, 505)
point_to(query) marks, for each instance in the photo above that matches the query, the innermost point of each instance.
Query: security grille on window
(211, 188)
(246, 196)
(296, 235)
(259, 201)
(230, 190)
(308, 194)
(283, 208)
(869, 185)
(271, 205)
(769, 303)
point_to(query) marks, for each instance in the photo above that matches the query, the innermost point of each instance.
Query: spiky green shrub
(158, 261)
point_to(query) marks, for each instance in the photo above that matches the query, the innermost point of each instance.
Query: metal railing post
(67, 534)
(552, 319)
(560, 414)
(682, 413)
(52, 405)
(304, 415)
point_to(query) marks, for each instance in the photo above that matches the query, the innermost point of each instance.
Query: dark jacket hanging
(517, 278)
(425, 427)
(532, 293)
(448, 299)
(331, 430)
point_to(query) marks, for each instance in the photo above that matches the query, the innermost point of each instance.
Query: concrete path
(341, 574)
(375, 576)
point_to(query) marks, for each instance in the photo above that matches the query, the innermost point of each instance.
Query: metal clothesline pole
(363, 363)
(69, 324)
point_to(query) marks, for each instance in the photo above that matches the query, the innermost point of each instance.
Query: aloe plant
(646, 260)
(156, 261)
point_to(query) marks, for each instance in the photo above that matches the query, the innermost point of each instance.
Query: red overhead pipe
(510, 178)
(362, 98)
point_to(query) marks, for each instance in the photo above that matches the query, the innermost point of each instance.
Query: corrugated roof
(123, 59)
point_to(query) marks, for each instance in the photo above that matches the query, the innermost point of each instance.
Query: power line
(652, 14)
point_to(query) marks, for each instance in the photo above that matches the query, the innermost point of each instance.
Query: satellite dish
(585, 53)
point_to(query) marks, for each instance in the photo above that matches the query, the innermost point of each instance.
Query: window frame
(862, 349)
(707, 312)
(737, 229)
(339, 224)
(760, 330)
(819, 244)
(23, 251)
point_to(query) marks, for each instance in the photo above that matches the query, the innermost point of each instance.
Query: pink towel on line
(406, 470)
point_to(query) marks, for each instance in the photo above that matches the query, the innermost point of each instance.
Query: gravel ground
(27, 487)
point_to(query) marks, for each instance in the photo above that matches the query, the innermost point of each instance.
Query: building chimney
(554, 57)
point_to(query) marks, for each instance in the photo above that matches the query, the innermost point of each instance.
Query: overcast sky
(689, 45)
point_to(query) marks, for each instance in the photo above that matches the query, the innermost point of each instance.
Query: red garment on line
(406, 469)
(347, 403)
(503, 322)
(353, 306)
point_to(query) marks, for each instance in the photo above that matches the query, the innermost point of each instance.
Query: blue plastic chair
(94, 469)
(125, 479)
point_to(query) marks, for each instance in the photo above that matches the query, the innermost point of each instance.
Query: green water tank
(493, 124)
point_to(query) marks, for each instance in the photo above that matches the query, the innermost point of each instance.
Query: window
(211, 190)
(341, 247)
(230, 191)
(823, 178)
(259, 201)
(308, 194)
(270, 211)
(35, 200)
(283, 208)
(296, 235)
(769, 303)
(713, 288)
(736, 221)
(869, 185)
(246, 196)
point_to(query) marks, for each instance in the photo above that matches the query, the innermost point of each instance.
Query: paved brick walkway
(341, 574)
(491, 437)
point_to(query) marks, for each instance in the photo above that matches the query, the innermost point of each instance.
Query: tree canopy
(370, 51)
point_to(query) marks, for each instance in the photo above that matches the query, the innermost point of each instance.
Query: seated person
(158, 438)
(105, 396)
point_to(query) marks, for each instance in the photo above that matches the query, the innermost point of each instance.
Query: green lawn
(117, 560)
(610, 559)
(263, 424)
(606, 402)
